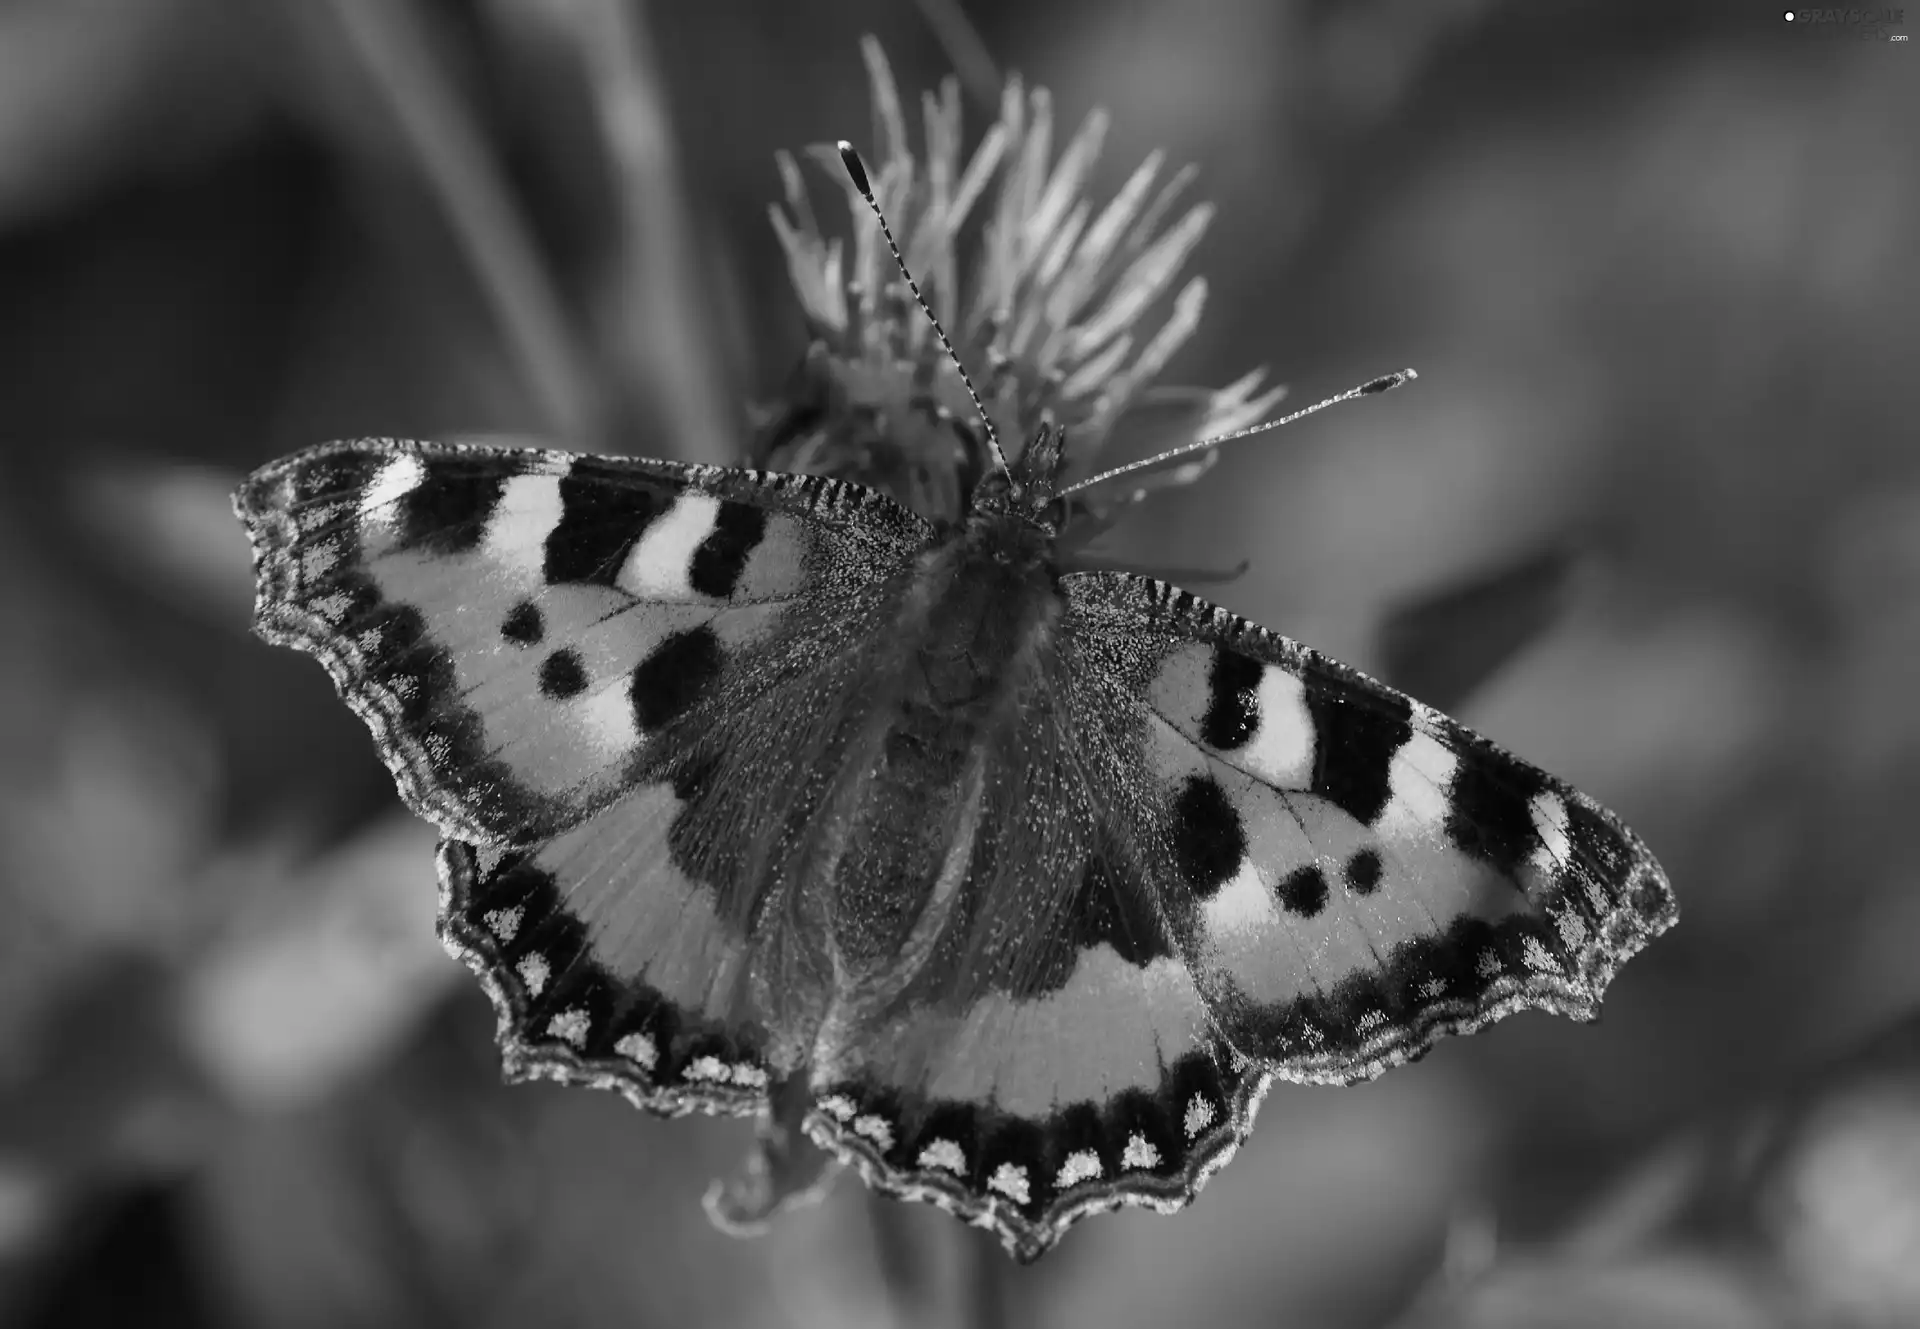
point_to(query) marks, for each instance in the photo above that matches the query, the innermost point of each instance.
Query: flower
(1059, 318)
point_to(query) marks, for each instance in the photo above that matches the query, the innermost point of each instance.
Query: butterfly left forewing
(619, 687)
(1358, 874)
(516, 626)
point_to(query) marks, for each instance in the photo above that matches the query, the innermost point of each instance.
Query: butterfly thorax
(984, 597)
(976, 630)
(1029, 490)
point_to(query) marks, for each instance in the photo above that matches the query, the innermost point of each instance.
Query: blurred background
(1650, 516)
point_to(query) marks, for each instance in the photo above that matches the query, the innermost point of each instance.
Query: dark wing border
(1232, 1086)
(679, 1041)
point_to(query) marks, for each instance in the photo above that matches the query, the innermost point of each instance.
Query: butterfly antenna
(858, 172)
(1386, 383)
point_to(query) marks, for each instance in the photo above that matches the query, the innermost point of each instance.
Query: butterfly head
(1029, 488)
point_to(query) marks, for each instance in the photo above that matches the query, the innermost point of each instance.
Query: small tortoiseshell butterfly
(1012, 887)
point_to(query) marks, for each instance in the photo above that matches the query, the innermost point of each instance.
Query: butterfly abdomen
(971, 625)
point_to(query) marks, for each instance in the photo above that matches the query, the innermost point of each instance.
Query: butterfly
(1013, 887)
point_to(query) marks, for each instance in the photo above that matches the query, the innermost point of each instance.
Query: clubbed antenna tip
(1385, 383)
(855, 168)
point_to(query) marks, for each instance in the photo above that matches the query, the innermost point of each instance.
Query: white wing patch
(1244, 904)
(606, 717)
(516, 538)
(395, 480)
(638, 1048)
(659, 565)
(1550, 824)
(1420, 775)
(1281, 749)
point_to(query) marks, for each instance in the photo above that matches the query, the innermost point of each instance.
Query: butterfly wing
(1359, 875)
(612, 683)
(1253, 863)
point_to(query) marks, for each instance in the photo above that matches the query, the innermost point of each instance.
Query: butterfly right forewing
(1357, 874)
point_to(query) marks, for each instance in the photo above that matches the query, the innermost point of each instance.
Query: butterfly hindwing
(608, 970)
(1361, 875)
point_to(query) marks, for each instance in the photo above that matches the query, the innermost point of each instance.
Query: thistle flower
(1061, 316)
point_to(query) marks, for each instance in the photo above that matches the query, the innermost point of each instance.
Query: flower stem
(395, 49)
(664, 333)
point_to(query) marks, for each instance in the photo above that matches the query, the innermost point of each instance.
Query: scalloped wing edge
(1625, 934)
(524, 1058)
(273, 534)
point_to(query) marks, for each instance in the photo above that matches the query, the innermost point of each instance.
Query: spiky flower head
(1065, 315)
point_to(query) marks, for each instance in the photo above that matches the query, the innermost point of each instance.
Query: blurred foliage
(1648, 264)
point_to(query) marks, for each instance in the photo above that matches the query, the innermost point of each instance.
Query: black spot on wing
(562, 674)
(1207, 838)
(599, 521)
(447, 512)
(1490, 816)
(670, 680)
(1355, 737)
(1304, 891)
(1233, 710)
(415, 679)
(723, 555)
(1363, 872)
(523, 625)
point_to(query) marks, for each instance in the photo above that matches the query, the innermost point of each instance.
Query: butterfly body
(1015, 886)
